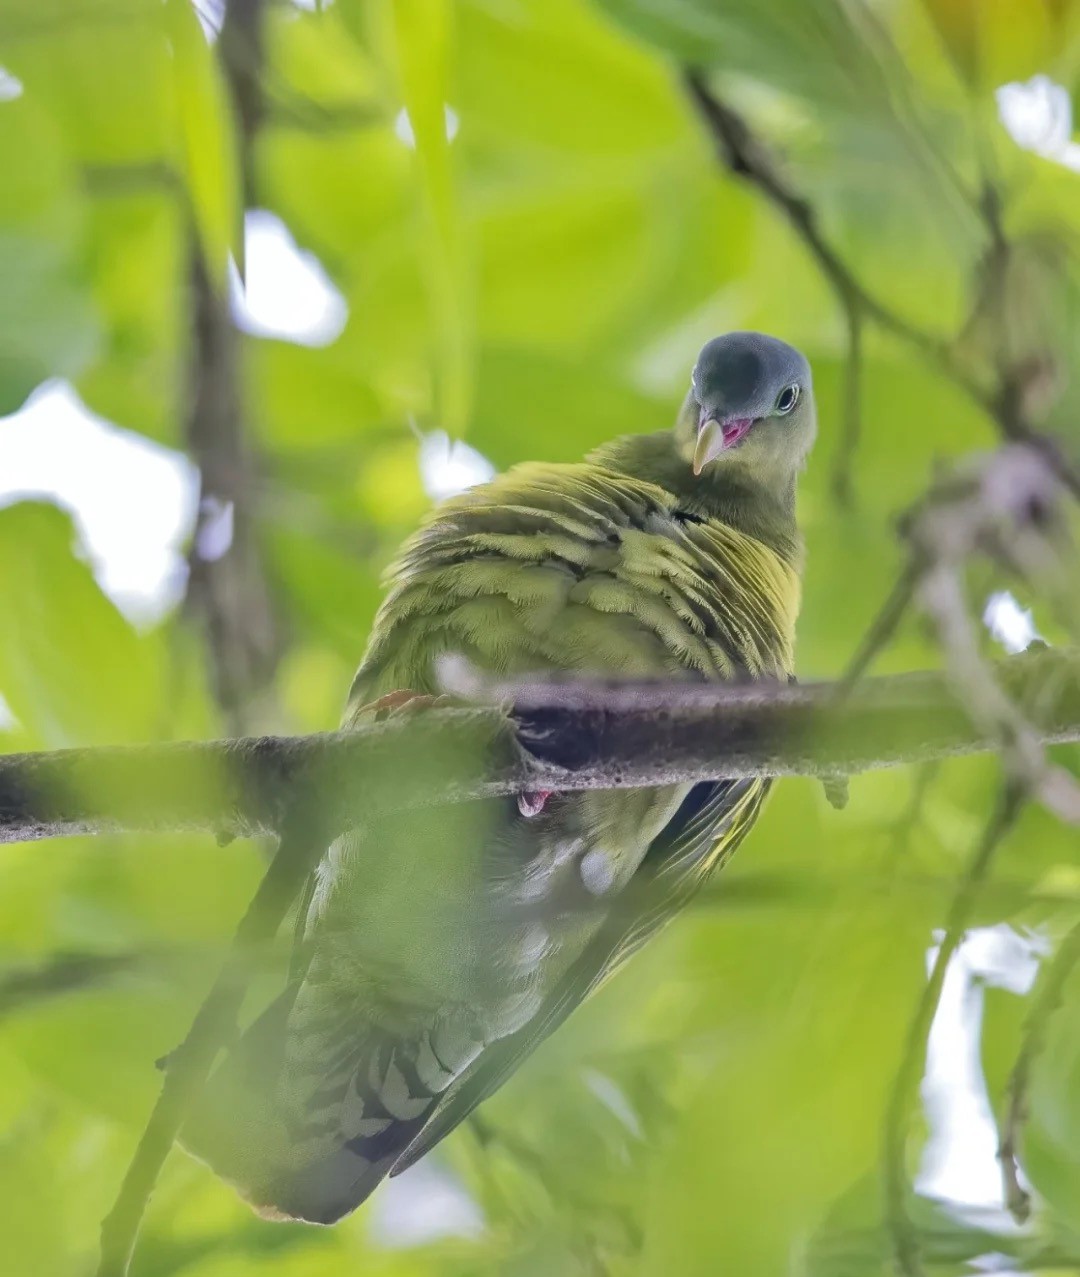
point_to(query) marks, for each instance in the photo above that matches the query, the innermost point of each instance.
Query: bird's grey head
(751, 404)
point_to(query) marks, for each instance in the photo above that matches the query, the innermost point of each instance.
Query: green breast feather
(581, 568)
(443, 944)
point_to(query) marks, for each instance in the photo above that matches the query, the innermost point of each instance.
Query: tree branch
(745, 155)
(568, 736)
(228, 591)
(1003, 395)
(298, 851)
(902, 1233)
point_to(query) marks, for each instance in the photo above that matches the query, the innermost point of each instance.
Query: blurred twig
(882, 628)
(844, 463)
(925, 776)
(903, 1236)
(745, 155)
(949, 1244)
(302, 843)
(1003, 506)
(569, 736)
(1005, 396)
(242, 48)
(1048, 995)
(227, 587)
(60, 974)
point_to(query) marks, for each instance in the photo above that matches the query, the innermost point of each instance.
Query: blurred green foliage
(537, 283)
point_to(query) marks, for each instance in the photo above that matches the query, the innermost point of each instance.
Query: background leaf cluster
(535, 279)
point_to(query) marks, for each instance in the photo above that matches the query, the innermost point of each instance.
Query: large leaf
(140, 242)
(421, 43)
(71, 668)
(207, 141)
(101, 72)
(47, 324)
(547, 81)
(820, 49)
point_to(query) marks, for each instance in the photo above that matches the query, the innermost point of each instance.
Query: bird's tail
(312, 1142)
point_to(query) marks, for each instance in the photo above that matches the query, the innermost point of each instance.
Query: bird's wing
(577, 569)
(709, 825)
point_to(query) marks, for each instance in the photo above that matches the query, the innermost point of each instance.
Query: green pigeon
(439, 947)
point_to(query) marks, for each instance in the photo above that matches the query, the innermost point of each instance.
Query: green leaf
(33, 1243)
(544, 83)
(139, 246)
(334, 595)
(422, 42)
(71, 668)
(516, 416)
(992, 41)
(305, 399)
(799, 1038)
(47, 324)
(817, 49)
(120, 1032)
(100, 72)
(207, 140)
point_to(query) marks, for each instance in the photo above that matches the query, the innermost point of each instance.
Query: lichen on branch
(567, 736)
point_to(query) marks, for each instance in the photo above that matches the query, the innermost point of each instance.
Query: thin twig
(228, 593)
(903, 1236)
(882, 628)
(744, 154)
(1047, 997)
(758, 890)
(61, 974)
(1002, 506)
(925, 776)
(1022, 751)
(241, 46)
(298, 851)
(851, 430)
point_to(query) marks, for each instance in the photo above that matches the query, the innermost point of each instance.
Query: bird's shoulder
(581, 567)
(559, 493)
(591, 502)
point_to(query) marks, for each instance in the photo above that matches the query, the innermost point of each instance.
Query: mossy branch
(567, 736)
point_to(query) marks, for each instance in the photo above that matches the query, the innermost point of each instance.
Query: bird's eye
(787, 399)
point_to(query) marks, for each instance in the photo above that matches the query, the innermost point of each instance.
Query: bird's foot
(531, 801)
(836, 791)
(403, 701)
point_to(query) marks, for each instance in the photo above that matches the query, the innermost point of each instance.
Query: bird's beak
(710, 443)
(715, 435)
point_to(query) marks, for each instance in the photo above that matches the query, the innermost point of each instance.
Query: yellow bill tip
(710, 444)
